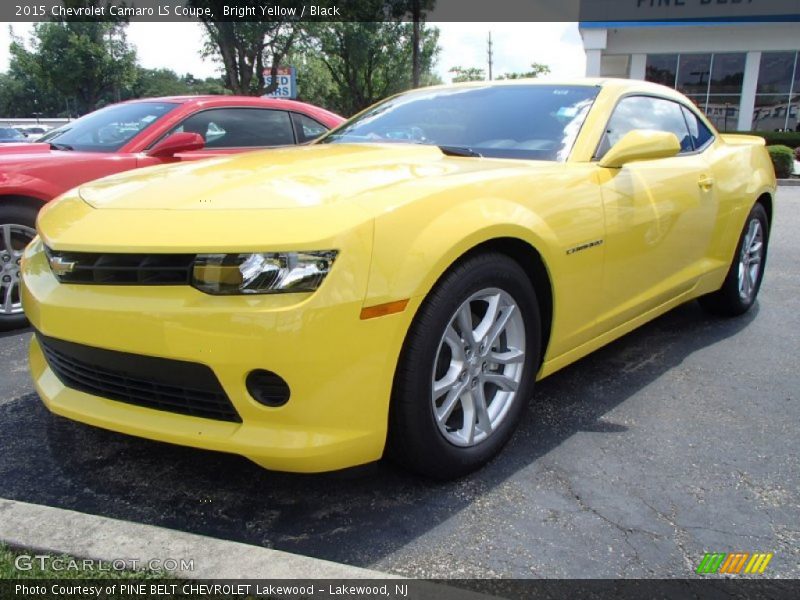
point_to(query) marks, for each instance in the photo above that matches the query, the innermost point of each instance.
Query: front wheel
(467, 367)
(17, 229)
(743, 281)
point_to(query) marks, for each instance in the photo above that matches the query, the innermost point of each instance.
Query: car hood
(294, 198)
(35, 154)
(303, 177)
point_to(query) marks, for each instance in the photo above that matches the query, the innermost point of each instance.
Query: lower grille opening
(163, 384)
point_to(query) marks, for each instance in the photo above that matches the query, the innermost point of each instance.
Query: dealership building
(743, 75)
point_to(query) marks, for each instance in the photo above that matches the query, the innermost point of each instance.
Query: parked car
(11, 135)
(33, 132)
(130, 135)
(398, 286)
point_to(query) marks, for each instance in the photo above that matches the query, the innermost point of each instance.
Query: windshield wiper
(459, 151)
(55, 146)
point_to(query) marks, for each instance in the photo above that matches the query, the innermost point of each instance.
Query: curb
(789, 182)
(61, 531)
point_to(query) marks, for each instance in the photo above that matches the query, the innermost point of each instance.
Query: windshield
(108, 129)
(9, 133)
(534, 122)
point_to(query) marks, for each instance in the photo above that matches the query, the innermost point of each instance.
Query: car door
(228, 130)
(659, 213)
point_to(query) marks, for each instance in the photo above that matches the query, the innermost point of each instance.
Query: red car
(134, 134)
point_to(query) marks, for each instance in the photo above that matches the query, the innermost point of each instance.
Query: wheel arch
(765, 200)
(528, 257)
(21, 200)
(532, 262)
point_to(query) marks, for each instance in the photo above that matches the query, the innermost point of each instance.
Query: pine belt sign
(287, 83)
(681, 10)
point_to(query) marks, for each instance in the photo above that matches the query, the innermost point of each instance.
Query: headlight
(261, 273)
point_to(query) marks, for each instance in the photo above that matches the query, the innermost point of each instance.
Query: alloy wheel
(750, 259)
(478, 367)
(13, 238)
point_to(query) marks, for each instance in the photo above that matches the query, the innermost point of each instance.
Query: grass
(65, 567)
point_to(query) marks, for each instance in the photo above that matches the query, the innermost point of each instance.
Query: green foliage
(314, 82)
(365, 62)
(68, 68)
(477, 74)
(246, 49)
(782, 159)
(461, 74)
(87, 62)
(152, 83)
(8, 568)
(536, 70)
(785, 138)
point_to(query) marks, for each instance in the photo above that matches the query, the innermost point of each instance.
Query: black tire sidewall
(731, 287)
(411, 402)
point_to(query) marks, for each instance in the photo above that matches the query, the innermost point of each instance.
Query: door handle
(706, 182)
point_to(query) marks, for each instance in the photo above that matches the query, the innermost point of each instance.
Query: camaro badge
(585, 246)
(60, 266)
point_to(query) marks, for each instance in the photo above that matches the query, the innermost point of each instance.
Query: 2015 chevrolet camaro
(398, 286)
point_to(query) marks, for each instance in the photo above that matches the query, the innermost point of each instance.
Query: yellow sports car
(397, 287)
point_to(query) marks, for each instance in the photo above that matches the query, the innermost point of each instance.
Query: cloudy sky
(177, 46)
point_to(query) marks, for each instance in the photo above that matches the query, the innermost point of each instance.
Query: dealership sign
(287, 83)
(680, 10)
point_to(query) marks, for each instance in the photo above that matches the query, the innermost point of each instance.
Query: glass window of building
(793, 122)
(694, 71)
(712, 81)
(662, 68)
(777, 93)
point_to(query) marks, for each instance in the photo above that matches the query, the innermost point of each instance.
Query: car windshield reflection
(533, 122)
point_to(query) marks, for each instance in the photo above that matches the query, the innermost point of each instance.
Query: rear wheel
(467, 367)
(17, 229)
(738, 292)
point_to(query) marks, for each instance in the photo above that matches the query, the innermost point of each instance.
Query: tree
(314, 82)
(536, 70)
(90, 63)
(246, 48)
(467, 74)
(152, 83)
(370, 60)
(418, 10)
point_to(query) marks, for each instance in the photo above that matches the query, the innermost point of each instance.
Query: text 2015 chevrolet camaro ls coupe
(398, 286)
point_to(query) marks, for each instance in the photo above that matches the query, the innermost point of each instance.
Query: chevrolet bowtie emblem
(60, 266)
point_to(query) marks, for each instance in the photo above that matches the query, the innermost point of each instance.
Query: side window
(645, 112)
(307, 128)
(701, 134)
(240, 127)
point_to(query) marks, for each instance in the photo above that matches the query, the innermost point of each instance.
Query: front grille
(121, 269)
(171, 385)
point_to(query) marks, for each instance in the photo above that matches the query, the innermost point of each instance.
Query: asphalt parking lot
(679, 439)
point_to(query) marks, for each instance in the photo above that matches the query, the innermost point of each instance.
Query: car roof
(222, 99)
(605, 82)
(616, 86)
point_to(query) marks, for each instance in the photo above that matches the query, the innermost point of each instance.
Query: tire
(435, 353)
(17, 227)
(743, 281)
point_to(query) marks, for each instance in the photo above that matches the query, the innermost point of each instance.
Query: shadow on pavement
(355, 517)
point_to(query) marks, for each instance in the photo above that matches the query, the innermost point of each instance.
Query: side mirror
(176, 143)
(641, 144)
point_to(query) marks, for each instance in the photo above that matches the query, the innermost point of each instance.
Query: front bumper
(339, 368)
